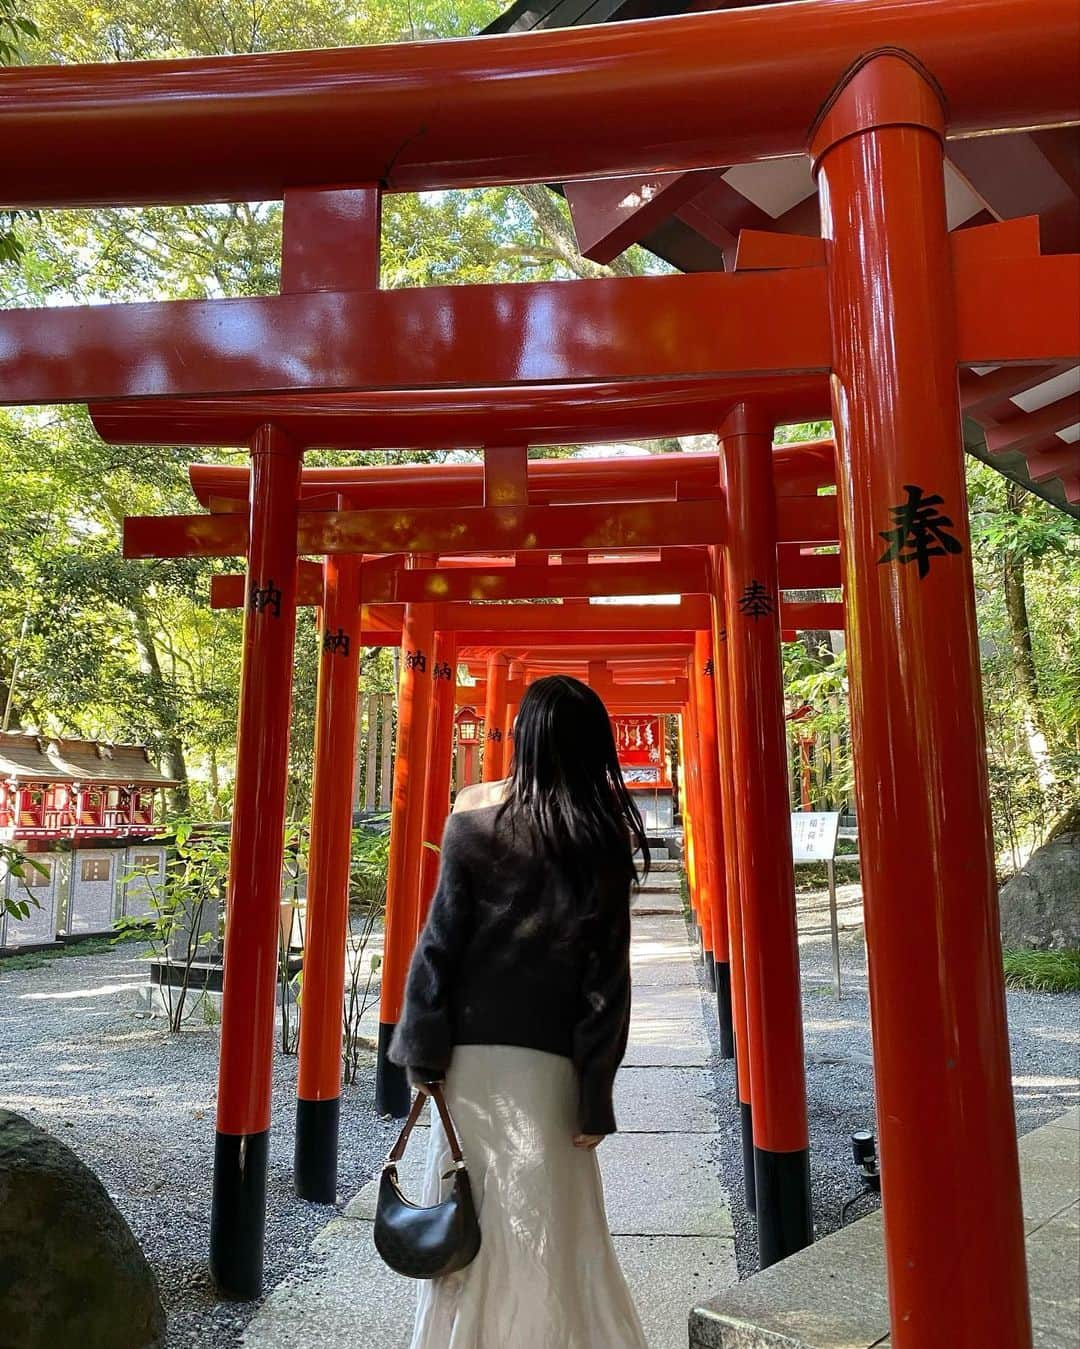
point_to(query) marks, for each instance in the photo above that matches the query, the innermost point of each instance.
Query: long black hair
(567, 789)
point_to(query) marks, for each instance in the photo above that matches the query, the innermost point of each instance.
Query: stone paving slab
(667, 1275)
(667, 969)
(679, 1006)
(660, 929)
(1053, 1266)
(668, 1053)
(344, 1295)
(1049, 1174)
(663, 1185)
(658, 1047)
(664, 1100)
(653, 906)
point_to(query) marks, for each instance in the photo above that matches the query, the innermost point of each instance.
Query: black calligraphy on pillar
(755, 601)
(442, 670)
(416, 661)
(721, 636)
(495, 734)
(265, 599)
(336, 643)
(921, 531)
(708, 669)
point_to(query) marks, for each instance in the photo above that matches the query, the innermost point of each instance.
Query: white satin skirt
(547, 1276)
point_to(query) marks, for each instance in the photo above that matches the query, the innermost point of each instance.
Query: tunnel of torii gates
(875, 325)
(453, 609)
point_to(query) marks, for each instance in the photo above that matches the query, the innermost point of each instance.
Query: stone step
(655, 906)
(833, 1295)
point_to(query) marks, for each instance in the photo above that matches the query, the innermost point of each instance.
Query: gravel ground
(1044, 1031)
(137, 1105)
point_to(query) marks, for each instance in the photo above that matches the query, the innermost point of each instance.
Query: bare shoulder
(479, 795)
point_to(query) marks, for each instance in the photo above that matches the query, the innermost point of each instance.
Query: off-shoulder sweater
(493, 965)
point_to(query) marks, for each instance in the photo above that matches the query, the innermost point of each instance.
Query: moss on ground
(92, 946)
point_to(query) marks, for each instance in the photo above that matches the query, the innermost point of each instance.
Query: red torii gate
(506, 477)
(890, 307)
(679, 570)
(316, 1150)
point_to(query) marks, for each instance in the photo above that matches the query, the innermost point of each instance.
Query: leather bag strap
(436, 1092)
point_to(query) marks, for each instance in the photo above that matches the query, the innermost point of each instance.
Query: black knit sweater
(495, 966)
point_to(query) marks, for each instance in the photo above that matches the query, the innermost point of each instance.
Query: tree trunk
(1027, 678)
(215, 783)
(559, 234)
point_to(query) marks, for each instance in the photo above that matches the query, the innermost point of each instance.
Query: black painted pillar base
(238, 1214)
(710, 972)
(746, 1121)
(393, 1095)
(315, 1154)
(784, 1218)
(723, 1009)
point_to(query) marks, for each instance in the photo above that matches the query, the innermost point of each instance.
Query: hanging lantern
(468, 726)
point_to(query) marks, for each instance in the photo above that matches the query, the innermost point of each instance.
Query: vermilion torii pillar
(722, 683)
(712, 830)
(688, 832)
(330, 237)
(498, 673)
(437, 805)
(253, 908)
(762, 819)
(319, 1076)
(392, 1093)
(515, 676)
(955, 1252)
(701, 861)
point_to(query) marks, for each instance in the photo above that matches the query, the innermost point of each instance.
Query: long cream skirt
(547, 1276)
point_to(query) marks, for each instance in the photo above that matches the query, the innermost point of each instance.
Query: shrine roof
(1027, 427)
(36, 758)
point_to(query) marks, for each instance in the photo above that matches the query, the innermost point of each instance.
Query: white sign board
(813, 835)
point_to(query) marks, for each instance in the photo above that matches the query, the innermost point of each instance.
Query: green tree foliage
(93, 645)
(1027, 560)
(15, 30)
(1026, 557)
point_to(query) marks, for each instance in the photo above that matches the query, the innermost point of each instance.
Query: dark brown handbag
(424, 1243)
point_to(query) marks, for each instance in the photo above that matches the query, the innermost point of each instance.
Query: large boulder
(1040, 906)
(71, 1273)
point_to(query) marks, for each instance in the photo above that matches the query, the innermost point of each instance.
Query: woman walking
(518, 1001)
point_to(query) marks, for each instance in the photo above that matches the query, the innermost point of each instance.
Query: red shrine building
(87, 812)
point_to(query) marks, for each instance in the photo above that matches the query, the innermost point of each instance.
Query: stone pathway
(666, 1206)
